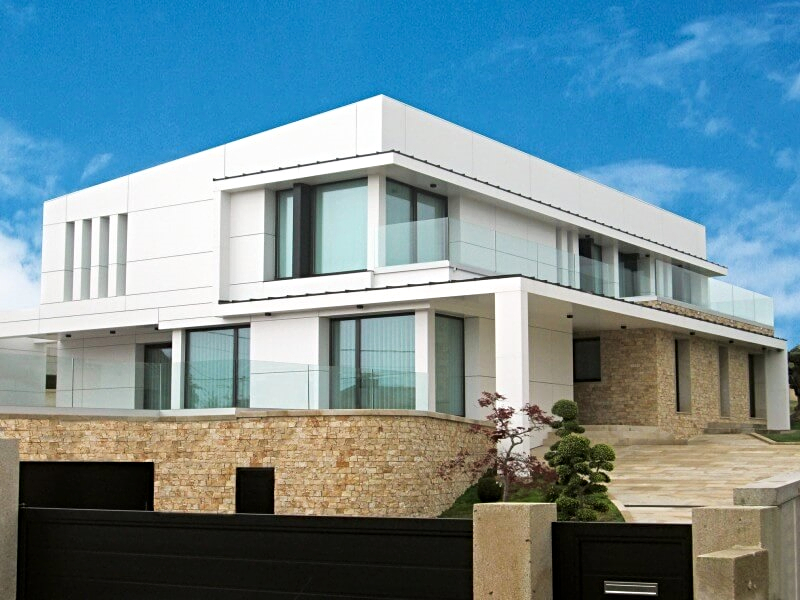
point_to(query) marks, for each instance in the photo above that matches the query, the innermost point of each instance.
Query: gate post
(9, 515)
(512, 551)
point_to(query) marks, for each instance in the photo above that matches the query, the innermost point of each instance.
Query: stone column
(738, 573)
(512, 551)
(776, 366)
(9, 515)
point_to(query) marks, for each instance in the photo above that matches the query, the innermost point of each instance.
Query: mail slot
(629, 588)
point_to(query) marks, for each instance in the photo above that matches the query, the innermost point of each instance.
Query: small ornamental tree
(582, 469)
(502, 455)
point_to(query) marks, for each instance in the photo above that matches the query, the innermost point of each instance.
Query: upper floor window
(416, 229)
(321, 229)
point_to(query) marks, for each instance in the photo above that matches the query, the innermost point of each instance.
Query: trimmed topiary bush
(582, 469)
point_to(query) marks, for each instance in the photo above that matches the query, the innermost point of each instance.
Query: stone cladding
(380, 463)
(637, 384)
(680, 309)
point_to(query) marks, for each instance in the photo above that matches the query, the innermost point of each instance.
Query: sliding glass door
(218, 368)
(372, 362)
(450, 365)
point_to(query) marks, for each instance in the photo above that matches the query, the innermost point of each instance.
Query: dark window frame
(304, 220)
(155, 346)
(357, 349)
(575, 342)
(234, 362)
(415, 191)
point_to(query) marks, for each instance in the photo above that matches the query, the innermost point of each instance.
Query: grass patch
(462, 507)
(792, 436)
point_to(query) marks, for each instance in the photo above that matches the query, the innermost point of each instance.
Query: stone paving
(661, 483)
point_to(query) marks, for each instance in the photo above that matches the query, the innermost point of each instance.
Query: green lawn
(462, 507)
(792, 436)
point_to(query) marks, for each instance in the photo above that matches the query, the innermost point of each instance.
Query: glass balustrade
(485, 251)
(95, 384)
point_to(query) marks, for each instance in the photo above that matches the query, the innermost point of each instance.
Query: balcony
(484, 251)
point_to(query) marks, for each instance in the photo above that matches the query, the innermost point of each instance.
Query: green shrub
(489, 489)
(582, 469)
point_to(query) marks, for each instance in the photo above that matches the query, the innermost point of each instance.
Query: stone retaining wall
(357, 463)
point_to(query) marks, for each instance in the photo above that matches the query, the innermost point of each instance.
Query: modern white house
(378, 258)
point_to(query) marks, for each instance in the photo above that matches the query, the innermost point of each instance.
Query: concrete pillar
(782, 494)
(81, 258)
(512, 551)
(9, 516)
(376, 218)
(738, 573)
(117, 254)
(776, 367)
(425, 359)
(98, 274)
(512, 355)
(723, 527)
(611, 275)
(178, 366)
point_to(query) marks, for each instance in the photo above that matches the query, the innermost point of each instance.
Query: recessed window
(218, 368)
(683, 381)
(372, 362)
(591, 265)
(321, 230)
(157, 376)
(586, 359)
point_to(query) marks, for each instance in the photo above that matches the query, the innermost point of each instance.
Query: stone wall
(637, 384)
(345, 463)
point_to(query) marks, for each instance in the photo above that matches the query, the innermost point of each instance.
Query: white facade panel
(54, 211)
(437, 141)
(322, 137)
(172, 273)
(369, 121)
(248, 215)
(501, 165)
(171, 231)
(184, 180)
(101, 200)
(246, 259)
(54, 247)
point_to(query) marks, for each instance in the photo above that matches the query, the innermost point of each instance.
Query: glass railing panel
(412, 242)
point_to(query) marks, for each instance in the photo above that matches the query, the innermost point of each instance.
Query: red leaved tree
(502, 454)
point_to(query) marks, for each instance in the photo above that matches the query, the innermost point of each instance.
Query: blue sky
(694, 107)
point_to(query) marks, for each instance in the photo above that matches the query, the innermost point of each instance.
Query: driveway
(661, 484)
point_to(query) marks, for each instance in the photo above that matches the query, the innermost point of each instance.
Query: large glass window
(284, 233)
(450, 365)
(415, 227)
(340, 227)
(372, 362)
(591, 265)
(218, 368)
(157, 376)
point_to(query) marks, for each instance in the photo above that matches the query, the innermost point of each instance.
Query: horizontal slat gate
(621, 560)
(88, 554)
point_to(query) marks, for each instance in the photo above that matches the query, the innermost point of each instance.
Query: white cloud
(19, 273)
(716, 125)
(29, 166)
(793, 93)
(662, 184)
(96, 164)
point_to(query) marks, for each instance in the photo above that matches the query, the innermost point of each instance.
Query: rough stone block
(512, 551)
(738, 573)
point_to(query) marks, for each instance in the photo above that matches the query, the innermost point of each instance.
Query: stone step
(729, 427)
(622, 435)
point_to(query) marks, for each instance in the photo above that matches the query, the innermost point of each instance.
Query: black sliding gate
(616, 560)
(102, 554)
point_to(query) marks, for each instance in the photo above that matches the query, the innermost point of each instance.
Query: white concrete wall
(103, 371)
(23, 366)
(428, 137)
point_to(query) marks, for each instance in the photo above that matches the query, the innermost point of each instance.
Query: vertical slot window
(683, 382)
(285, 233)
(450, 365)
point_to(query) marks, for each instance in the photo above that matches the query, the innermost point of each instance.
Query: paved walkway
(660, 484)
